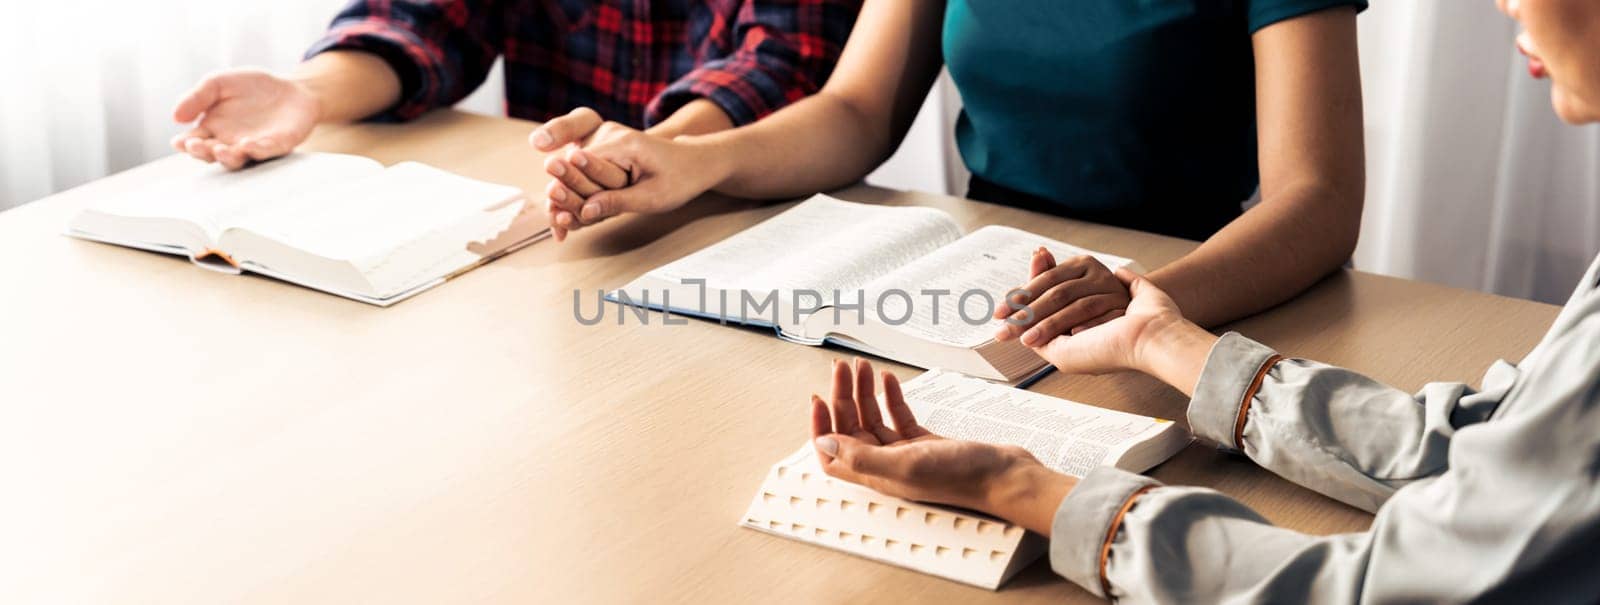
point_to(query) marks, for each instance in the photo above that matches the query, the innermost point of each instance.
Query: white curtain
(1471, 180)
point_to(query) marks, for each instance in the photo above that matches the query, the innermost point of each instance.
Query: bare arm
(826, 140)
(242, 115)
(348, 85)
(700, 116)
(845, 130)
(371, 54)
(1308, 91)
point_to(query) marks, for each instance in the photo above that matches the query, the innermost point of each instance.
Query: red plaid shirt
(633, 61)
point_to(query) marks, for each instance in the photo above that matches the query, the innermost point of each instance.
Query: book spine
(216, 260)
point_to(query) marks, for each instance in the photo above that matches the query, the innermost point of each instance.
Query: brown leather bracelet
(1111, 534)
(1250, 394)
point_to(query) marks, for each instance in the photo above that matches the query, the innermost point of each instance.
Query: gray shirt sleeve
(1330, 429)
(1491, 508)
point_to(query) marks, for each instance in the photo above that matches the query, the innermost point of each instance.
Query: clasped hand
(609, 168)
(1083, 318)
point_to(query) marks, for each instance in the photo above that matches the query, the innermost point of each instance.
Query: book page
(1069, 437)
(364, 220)
(822, 244)
(211, 196)
(993, 260)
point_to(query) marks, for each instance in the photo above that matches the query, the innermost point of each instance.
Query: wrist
(1159, 331)
(1026, 493)
(700, 116)
(715, 165)
(669, 129)
(344, 85)
(1174, 350)
(307, 91)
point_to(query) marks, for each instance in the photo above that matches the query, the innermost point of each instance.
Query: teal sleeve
(1267, 12)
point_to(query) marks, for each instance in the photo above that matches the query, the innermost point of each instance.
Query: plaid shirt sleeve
(441, 49)
(785, 50)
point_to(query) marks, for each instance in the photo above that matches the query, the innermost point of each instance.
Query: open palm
(245, 115)
(905, 460)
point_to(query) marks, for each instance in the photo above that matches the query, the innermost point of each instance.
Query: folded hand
(1066, 298)
(1108, 342)
(609, 168)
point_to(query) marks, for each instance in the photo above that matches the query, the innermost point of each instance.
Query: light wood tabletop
(177, 435)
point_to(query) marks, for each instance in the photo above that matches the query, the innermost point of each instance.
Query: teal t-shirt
(1139, 111)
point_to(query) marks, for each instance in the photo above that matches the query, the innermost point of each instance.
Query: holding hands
(1085, 319)
(609, 168)
(1065, 298)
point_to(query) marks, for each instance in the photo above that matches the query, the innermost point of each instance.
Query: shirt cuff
(405, 52)
(1088, 521)
(1233, 371)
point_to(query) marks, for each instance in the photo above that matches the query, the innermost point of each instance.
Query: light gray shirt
(1480, 495)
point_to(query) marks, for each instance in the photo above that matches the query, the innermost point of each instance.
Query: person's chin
(1570, 108)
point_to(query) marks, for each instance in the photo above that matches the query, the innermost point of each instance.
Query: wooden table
(177, 435)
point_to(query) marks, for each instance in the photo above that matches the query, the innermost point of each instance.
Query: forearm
(1264, 257)
(1308, 116)
(697, 117)
(348, 85)
(1028, 494)
(818, 143)
(835, 137)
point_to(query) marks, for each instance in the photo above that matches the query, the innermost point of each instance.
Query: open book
(901, 283)
(342, 224)
(799, 501)
(896, 282)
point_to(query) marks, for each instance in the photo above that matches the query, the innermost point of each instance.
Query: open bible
(798, 500)
(901, 283)
(341, 224)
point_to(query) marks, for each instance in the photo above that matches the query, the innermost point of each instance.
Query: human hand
(611, 169)
(245, 115)
(908, 461)
(1118, 343)
(1078, 294)
(572, 168)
